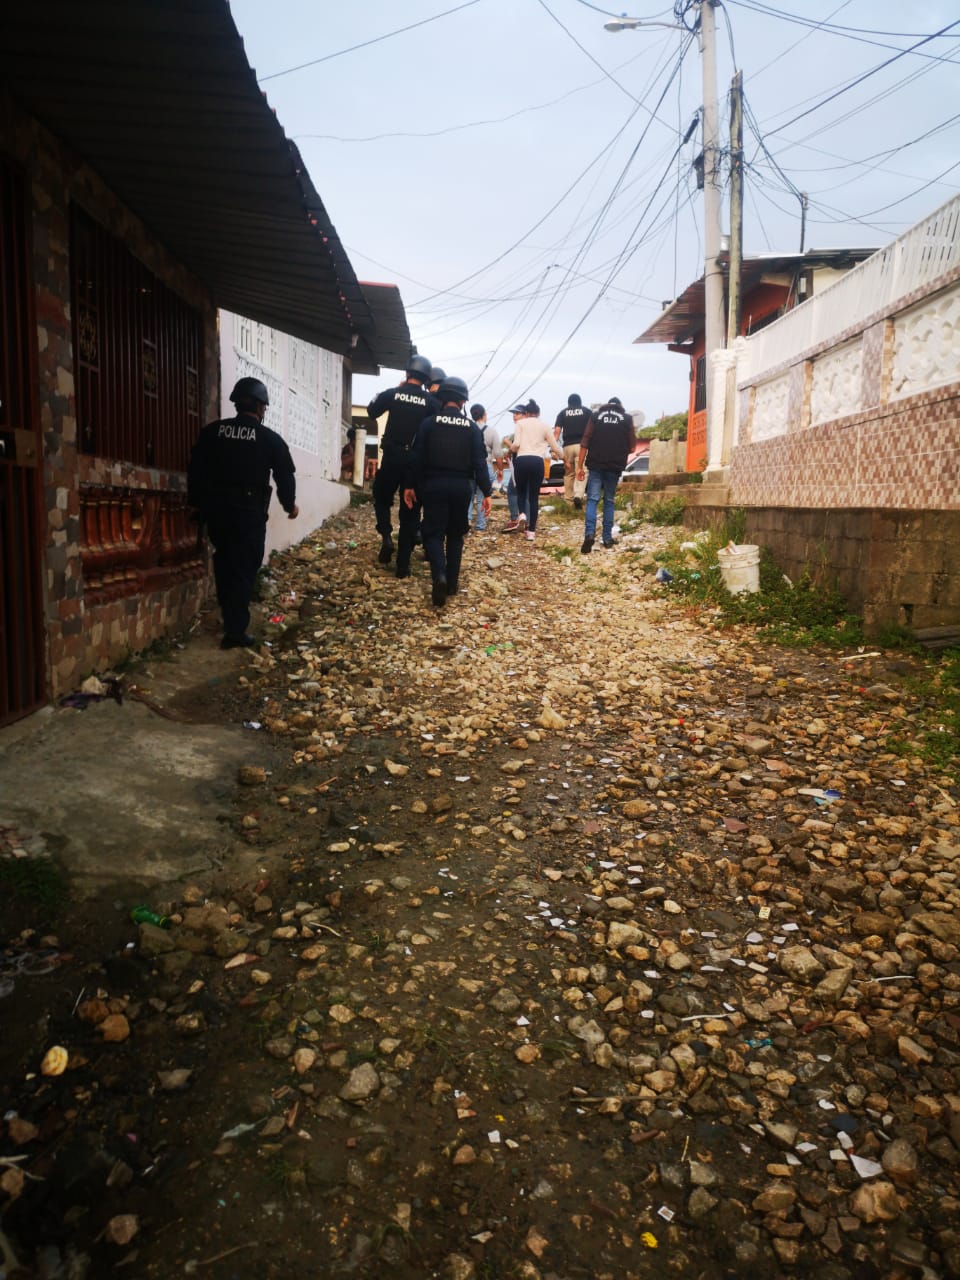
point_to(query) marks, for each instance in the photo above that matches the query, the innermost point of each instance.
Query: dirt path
(570, 938)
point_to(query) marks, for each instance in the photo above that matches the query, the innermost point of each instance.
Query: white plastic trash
(740, 567)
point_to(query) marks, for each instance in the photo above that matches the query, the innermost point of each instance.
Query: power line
(591, 236)
(540, 221)
(583, 50)
(755, 75)
(865, 76)
(365, 44)
(623, 258)
(861, 35)
(470, 124)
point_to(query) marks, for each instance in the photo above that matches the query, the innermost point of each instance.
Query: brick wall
(81, 637)
(893, 567)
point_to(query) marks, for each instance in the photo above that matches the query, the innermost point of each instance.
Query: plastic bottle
(144, 915)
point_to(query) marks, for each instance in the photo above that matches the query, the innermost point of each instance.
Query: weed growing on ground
(794, 614)
(935, 732)
(560, 553)
(666, 511)
(37, 885)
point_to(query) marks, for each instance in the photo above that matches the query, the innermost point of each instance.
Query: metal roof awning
(683, 318)
(158, 97)
(388, 343)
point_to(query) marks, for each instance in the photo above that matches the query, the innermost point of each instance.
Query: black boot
(439, 593)
(386, 549)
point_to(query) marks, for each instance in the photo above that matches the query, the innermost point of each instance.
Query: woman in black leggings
(531, 440)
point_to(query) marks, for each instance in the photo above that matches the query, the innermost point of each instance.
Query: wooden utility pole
(736, 208)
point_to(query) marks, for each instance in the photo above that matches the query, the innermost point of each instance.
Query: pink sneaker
(530, 536)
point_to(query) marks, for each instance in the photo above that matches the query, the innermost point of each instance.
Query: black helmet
(453, 389)
(436, 375)
(250, 389)
(420, 367)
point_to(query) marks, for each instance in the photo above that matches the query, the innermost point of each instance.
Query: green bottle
(143, 915)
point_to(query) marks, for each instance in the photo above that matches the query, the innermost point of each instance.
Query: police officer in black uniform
(448, 457)
(406, 407)
(569, 427)
(229, 484)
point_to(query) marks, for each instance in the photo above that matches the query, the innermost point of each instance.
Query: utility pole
(712, 271)
(804, 202)
(736, 208)
(715, 326)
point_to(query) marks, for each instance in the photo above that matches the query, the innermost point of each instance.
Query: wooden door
(22, 647)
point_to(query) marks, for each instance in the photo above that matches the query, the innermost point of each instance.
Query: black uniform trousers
(238, 535)
(446, 518)
(390, 478)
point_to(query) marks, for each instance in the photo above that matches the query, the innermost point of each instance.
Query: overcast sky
(518, 171)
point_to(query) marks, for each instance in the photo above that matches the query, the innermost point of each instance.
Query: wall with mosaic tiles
(868, 418)
(106, 597)
(847, 433)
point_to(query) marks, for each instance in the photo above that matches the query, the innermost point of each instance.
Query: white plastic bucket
(740, 568)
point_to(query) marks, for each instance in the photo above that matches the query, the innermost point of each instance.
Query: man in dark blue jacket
(447, 459)
(406, 407)
(229, 484)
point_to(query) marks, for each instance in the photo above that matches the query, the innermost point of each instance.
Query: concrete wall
(82, 637)
(898, 568)
(306, 398)
(667, 457)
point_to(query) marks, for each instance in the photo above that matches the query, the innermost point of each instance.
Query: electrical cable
(613, 80)
(365, 44)
(845, 33)
(624, 257)
(469, 124)
(755, 75)
(540, 221)
(860, 79)
(554, 302)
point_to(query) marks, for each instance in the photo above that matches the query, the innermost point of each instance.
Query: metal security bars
(137, 352)
(22, 652)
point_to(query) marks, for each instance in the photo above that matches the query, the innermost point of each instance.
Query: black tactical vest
(449, 446)
(410, 406)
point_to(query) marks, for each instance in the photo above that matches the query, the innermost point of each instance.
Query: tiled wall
(898, 443)
(904, 454)
(80, 638)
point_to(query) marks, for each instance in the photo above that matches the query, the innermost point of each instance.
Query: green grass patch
(36, 886)
(800, 614)
(665, 511)
(935, 726)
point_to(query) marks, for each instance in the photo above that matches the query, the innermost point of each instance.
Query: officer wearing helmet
(436, 377)
(448, 458)
(406, 407)
(228, 483)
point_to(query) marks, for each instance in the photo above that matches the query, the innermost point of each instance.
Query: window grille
(700, 387)
(137, 355)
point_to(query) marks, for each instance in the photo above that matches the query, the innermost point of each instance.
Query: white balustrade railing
(920, 256)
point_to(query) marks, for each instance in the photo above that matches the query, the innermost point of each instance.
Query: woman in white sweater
(532, 438)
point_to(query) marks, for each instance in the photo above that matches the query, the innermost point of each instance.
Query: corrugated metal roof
(158, 96)
(389, 343)
(683, 318)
